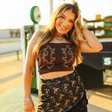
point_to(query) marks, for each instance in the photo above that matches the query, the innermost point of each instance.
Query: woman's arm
(91, 43)
(27, 73)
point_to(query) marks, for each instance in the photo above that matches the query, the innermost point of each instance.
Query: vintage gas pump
(26, 34)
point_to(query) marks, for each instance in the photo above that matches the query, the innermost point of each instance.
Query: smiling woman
(65, 22)
(57, 51)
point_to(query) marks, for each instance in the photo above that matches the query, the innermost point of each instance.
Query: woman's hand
(29, 107)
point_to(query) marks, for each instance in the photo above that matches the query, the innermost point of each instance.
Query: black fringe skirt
(63, 94)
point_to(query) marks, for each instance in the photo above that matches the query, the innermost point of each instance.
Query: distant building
(9, 33)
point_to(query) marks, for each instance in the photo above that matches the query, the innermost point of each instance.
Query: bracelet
(83, 29)
(27, 100)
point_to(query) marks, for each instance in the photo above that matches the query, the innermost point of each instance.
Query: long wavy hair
(73, 36)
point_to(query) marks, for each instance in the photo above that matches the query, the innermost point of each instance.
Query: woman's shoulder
(36, 35)
(39, 33)
(34, 38)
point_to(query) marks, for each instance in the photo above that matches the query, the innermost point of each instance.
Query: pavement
(11, 85)
(11, 89)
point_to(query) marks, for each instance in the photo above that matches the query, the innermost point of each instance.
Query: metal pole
(51, 7)
(72, 1)
(17, 55)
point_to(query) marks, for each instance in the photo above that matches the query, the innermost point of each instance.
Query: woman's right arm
(27, 73)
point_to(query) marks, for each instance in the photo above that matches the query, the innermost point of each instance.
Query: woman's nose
(65, 23)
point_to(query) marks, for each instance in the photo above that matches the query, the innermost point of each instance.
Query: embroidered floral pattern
(68, 55)
(55, 58)
(55, 90)
(47, 92)
(60, 110)
(70, 93)
(48, 51)
(74, 99)
(65, 87)
(60, 97)
(66, 103)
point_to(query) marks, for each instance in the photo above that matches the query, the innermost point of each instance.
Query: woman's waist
(56, 74)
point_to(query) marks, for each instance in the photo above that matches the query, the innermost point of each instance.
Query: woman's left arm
(91, 43)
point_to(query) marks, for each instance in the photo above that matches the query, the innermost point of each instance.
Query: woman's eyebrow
(65, 16)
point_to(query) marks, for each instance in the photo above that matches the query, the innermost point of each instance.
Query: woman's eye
(71, 21)
(62, 17)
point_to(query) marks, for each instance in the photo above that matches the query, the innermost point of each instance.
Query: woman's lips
(63, 27)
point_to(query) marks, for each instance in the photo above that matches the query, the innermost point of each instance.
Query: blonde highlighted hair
(73, 36)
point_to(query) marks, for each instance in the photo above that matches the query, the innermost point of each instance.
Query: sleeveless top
(55, 57)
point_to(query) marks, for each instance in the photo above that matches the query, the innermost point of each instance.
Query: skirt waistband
(59, 78)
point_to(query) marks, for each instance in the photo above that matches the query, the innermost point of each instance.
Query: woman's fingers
(25, 110)
(29, 107)
(33, 110)
(29, 110)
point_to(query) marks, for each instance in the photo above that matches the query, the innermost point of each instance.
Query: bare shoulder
(34, 39)
(38, 33)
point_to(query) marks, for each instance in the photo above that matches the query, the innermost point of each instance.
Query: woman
(57, 49)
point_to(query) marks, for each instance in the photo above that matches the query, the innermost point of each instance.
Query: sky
(16, 13)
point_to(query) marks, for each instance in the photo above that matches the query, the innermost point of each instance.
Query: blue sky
(15, 13)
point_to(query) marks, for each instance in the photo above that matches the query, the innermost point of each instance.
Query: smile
(63, 27)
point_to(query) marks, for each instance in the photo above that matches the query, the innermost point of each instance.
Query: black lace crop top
(55, 57)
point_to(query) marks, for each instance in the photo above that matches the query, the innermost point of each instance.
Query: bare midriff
(58, 74)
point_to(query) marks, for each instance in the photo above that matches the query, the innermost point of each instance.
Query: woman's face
(65, 22)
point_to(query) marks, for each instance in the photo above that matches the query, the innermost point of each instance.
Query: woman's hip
(63, 92)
